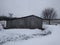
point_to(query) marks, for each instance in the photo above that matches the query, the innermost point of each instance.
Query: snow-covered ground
(31, 36)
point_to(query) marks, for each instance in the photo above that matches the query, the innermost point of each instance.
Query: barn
(29, 22)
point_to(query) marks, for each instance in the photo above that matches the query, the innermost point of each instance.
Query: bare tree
(49, 14)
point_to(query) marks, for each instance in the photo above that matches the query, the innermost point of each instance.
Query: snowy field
(31, 36)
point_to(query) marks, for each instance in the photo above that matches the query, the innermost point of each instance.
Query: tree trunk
(49, 22)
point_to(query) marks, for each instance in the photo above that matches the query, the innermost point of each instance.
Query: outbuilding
(29, 22)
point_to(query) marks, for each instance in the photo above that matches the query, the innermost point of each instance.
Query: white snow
(1, 27)
(3, 23)
(34, 36)
(20, 34)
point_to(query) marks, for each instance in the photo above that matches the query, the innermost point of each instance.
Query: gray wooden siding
(29, 22)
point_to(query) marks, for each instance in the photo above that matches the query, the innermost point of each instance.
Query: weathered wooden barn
(31, 22)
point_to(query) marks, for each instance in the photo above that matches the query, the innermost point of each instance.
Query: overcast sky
(27, 7)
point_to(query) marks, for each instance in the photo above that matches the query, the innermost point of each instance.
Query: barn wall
(33, 22)
(18, 23)
(29, 22)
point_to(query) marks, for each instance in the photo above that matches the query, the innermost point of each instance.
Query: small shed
(31, 22)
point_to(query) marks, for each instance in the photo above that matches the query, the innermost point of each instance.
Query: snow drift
(53, 39)
(20, 34)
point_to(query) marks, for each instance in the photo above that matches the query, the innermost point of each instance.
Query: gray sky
(27, 7)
